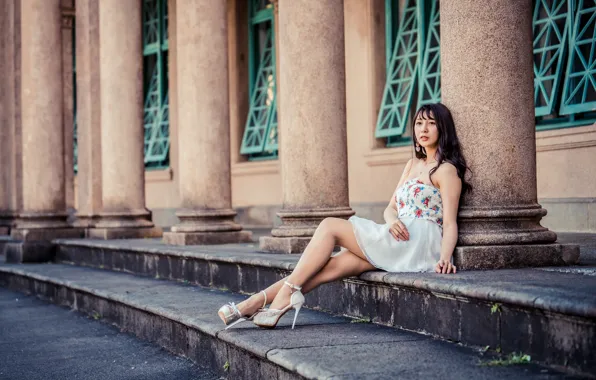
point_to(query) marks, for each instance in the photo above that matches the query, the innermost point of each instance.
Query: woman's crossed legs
(316, 266)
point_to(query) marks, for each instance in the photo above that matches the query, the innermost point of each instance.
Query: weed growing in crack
(361, 320)
(512, 359)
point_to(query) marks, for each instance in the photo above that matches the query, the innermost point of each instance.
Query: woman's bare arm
(450, 187)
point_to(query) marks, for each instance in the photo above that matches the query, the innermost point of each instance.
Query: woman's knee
(328, 226)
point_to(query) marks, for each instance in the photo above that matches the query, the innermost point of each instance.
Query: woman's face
(427, 133)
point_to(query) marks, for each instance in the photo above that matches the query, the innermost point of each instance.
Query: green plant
(95, 315)
(226, 366)
(496, 308)
(361, 320)
(512, 359)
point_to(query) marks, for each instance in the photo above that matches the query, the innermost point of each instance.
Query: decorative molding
(559, 139)
(389, 156)
(566, 138)
(584, 200)
(255, 168)
(162, 175)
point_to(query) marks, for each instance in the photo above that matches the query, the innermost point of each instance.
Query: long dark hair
(449, 149)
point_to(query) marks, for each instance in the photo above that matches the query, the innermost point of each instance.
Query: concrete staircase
(544, 313)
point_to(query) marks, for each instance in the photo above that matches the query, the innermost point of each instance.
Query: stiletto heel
(230, 315)
(296, 315)
(268, 318)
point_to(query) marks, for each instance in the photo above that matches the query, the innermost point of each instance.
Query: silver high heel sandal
(268, 318)
(230, 315)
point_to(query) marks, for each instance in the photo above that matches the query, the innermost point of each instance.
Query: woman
(419, 235)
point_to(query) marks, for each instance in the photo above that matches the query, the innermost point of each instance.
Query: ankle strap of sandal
(264, 302)
(292, 286)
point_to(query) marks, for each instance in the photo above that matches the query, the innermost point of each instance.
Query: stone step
(545, 313)
(183, 319)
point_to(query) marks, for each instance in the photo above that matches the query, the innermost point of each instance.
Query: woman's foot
(270, 317)
(232, 314)
(282, 299)
(250, 305)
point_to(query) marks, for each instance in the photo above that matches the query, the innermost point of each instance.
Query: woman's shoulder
(446, 171)
(447, 167)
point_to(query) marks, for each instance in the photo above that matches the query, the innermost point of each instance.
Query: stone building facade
(205, 117)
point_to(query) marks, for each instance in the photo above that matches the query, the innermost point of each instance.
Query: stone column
(43, 214)
(12, 162)
(123, 212)
(312, 111)
(206, 214)
(7, 103)
(88, 113)
(68, 25)
(487, 82)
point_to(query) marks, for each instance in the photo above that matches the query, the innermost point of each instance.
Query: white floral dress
(420, 209)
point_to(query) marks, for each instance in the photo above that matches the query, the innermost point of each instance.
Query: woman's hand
(445, 266)
(399, 231)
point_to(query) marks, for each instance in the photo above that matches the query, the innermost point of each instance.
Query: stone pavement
(46, 342)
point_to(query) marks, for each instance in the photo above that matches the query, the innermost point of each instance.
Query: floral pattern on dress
(417, 199)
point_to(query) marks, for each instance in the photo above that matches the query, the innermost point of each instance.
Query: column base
(515, 256)
(272, 244)
(85, 221)
(7, 221)
(27, 251)
(124, 233)
(34, 245)
(297, 228)
(204, 238)
(501, 225)
(46, 234)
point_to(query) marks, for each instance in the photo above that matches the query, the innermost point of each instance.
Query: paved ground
(43, 341)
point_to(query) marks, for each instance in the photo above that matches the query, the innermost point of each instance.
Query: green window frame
(413, 66)
(75, 156)
(259, 141)
(156, 119)
(564, 64)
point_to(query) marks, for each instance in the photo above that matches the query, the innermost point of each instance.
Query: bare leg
(330, 232)
(344, 265)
